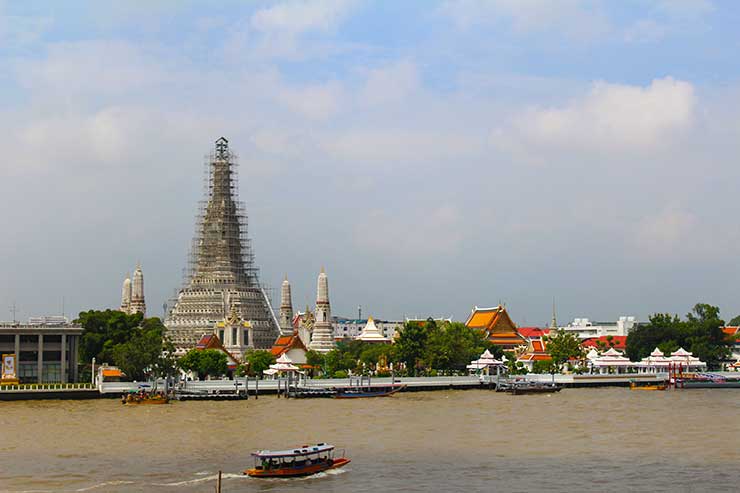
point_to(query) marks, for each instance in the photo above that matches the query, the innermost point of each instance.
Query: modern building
(132, 294)
(322, 336)
(345, 328)
(45, 349)
(221, 277)
(586, 329)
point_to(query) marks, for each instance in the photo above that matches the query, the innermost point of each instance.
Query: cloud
(667, 234)
(611, 117)
(574, 18)
(390, 83)
(300, 16)
(416, 235)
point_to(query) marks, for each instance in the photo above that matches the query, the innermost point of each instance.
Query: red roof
(284, 344)
(532, 331)
(617, 342)
(732, 331)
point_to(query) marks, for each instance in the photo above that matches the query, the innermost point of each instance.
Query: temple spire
(322, 337)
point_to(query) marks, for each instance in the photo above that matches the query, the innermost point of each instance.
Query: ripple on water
(592, 439)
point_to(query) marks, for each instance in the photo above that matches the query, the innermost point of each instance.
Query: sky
(431, 155)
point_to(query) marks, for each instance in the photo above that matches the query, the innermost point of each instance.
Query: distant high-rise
(322, 337)
(286, 308)
(222, 280)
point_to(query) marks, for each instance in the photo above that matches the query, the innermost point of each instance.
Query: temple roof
(497, 325)
(283, 344)
(619, 342)
(371, 333)
(211, 341)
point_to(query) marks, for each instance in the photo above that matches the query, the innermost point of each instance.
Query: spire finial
(222, 148)
(322, 270)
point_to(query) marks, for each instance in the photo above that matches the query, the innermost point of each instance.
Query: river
(607, 439)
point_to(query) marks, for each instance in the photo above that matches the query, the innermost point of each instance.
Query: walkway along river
(605, 439)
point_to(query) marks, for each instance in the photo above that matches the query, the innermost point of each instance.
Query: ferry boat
(705, 381)
(302, 461)
(634, 386)
(147, 398)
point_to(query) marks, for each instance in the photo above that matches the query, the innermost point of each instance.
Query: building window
(29, 338)
(221, 335)
(233, 336)
(246, 337)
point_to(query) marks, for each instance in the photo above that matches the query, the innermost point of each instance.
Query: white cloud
(300, 16)
(315, 101)
(435, 231)
(611, 117)
(391, 83)
(574, 18)
(666, 234)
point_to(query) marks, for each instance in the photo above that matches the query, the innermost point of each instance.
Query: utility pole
(14, 312)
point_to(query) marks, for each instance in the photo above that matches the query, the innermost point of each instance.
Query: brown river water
(608, 439)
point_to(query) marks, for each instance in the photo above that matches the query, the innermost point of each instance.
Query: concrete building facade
(46, 351)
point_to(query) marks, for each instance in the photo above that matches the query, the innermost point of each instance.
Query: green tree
(144, 353)
(258, 361)
(208, 362)
(102, 331)
(734, 322)
(701, 333)
(411, 342)
(563, 346)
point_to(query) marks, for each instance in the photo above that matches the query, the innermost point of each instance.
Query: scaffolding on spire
(221, 276)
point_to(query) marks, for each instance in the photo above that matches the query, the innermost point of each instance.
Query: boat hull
(359, 394)
(536, 390)
(297, 472)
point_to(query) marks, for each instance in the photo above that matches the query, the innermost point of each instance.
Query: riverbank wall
(271, 387)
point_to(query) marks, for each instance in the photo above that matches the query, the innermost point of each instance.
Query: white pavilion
(655, 363)
(687, 360)
(612, 361)
(485, 363)
(371, 333)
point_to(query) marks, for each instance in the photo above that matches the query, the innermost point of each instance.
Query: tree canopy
(563, 346)
(701, 333)
(204, 362)
(257, 361)
(136, 345)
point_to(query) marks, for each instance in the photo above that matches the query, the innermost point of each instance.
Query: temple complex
(132, 294)
(222, 282)
(322, 336)
(497, 326)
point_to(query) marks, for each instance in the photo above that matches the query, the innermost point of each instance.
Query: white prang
(132, 293)
(322, 337)
(286, 308)
(371, 333)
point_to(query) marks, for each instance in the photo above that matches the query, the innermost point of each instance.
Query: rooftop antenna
(62, 306)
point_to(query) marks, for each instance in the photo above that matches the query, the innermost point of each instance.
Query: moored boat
(527, 387)
(634, 386)
(353, 392)
(302, 461)
(145, 398)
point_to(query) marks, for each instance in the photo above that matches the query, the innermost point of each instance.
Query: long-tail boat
(301, 461)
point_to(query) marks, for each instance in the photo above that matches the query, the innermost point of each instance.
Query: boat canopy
(299, 451)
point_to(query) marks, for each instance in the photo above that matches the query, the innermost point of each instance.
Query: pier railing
(46, 387)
